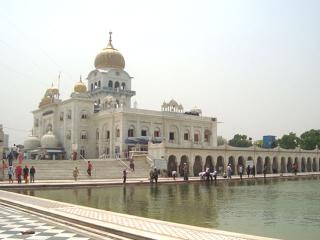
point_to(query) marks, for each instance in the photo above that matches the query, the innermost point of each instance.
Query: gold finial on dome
(79, 87)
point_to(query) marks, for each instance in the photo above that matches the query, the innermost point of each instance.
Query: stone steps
(102, 169)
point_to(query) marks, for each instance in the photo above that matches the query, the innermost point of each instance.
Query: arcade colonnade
(276, 160)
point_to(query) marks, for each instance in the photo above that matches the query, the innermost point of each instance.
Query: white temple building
(99, 120)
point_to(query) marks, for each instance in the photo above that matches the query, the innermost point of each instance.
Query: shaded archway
(314, 165)
(220, 165)
(289, 165)
(240, 162)
(283, 165)
(303, 164)
(275, 165)
(259, 166)
(296, 162)
(309, 165)
(184, 159)
(209, 164)
(197, 165)
(231, 161)
(267, 164)
(172, 165)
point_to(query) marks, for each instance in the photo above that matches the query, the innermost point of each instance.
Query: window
(123, 86)
(83, 152)
(83, 135)
(83, 115)
(130, 132)
(186, 136)
(108, 134)
(61, 116)
(144, 132)
(69, 114)
(99, 84)
(156, 133)
(110, 84)
(118, 132)
(91, 86)
(97, 134)
(116, 85)
(196, 137)
(207, 136)
(171, 136)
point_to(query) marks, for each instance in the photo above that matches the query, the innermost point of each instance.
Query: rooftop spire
(80, 78)
(110, 40)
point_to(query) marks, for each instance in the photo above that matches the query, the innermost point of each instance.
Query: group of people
(20, 173)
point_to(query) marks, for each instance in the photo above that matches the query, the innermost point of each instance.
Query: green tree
(310, 139)
(289, 141)
(240, 141)
(258, 143)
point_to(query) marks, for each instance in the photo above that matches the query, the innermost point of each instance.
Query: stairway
(102, 169)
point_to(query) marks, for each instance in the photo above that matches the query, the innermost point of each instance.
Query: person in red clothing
(89, 169)
(18, 173)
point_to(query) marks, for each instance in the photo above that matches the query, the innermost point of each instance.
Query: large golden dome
(79, 87)
(109, 57)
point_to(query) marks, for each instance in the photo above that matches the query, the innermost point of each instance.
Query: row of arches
(272, 164)
(112, 85)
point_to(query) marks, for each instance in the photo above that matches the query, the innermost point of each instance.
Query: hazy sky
(255, 65)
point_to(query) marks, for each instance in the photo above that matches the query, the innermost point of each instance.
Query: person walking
(89, 168)
(32, 173)
(10, 158)
(75, 173)
(240, 171)
(26, 174)
(253, 171)
(229, 171)
(10, 173)
(18, 173)
(155, 175)
(124, 175)
(131, 165)
(185, 171)
(248, 170)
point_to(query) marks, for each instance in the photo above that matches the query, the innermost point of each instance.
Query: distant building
(269, 141)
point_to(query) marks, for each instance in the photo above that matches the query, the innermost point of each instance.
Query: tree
(289, 141)
(240, 141)
(310, 139)
(221, 140)
(258, 143)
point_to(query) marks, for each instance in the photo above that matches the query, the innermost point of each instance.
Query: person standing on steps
(26, 174)
(89, 168)
(155, 175)
(240, 171)
(32, 173)
(185, 171)
(75, 173)
(248, 171)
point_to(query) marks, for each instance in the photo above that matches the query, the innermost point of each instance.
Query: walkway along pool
(280, 208)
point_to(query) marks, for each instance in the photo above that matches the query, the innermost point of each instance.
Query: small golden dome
(79, 87)
(109, 57)
(45, 101)
(51, 91)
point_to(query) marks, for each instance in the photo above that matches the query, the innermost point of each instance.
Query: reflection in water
(282, 208)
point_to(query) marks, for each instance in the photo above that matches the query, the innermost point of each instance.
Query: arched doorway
(240, 162)
(209, 164)
(259, 165)
(296, 162)
(267, 163)
(309, 167)
(289, 165)
(172, 165)
(314, 165)
(183, 160)
(220, 165)
(232, 163)
(303, 164)
(197, 166)
(275, 165)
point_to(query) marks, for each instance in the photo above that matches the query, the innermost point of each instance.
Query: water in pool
(281, 208)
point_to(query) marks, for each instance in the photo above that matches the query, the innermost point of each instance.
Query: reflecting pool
(281, 208)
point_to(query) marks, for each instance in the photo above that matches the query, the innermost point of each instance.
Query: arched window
(196, 137)
(123, 86)
(131, 131)
(108, 135)
(117, 132)
(156, 132)
(186, 135)
(117, 85)
(69, 113)
(83, 114)
(144, 131)
(110, 84)
(83, 135)
(99, 84)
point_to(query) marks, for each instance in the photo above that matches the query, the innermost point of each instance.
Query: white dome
(49, 140)
(32, 142)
